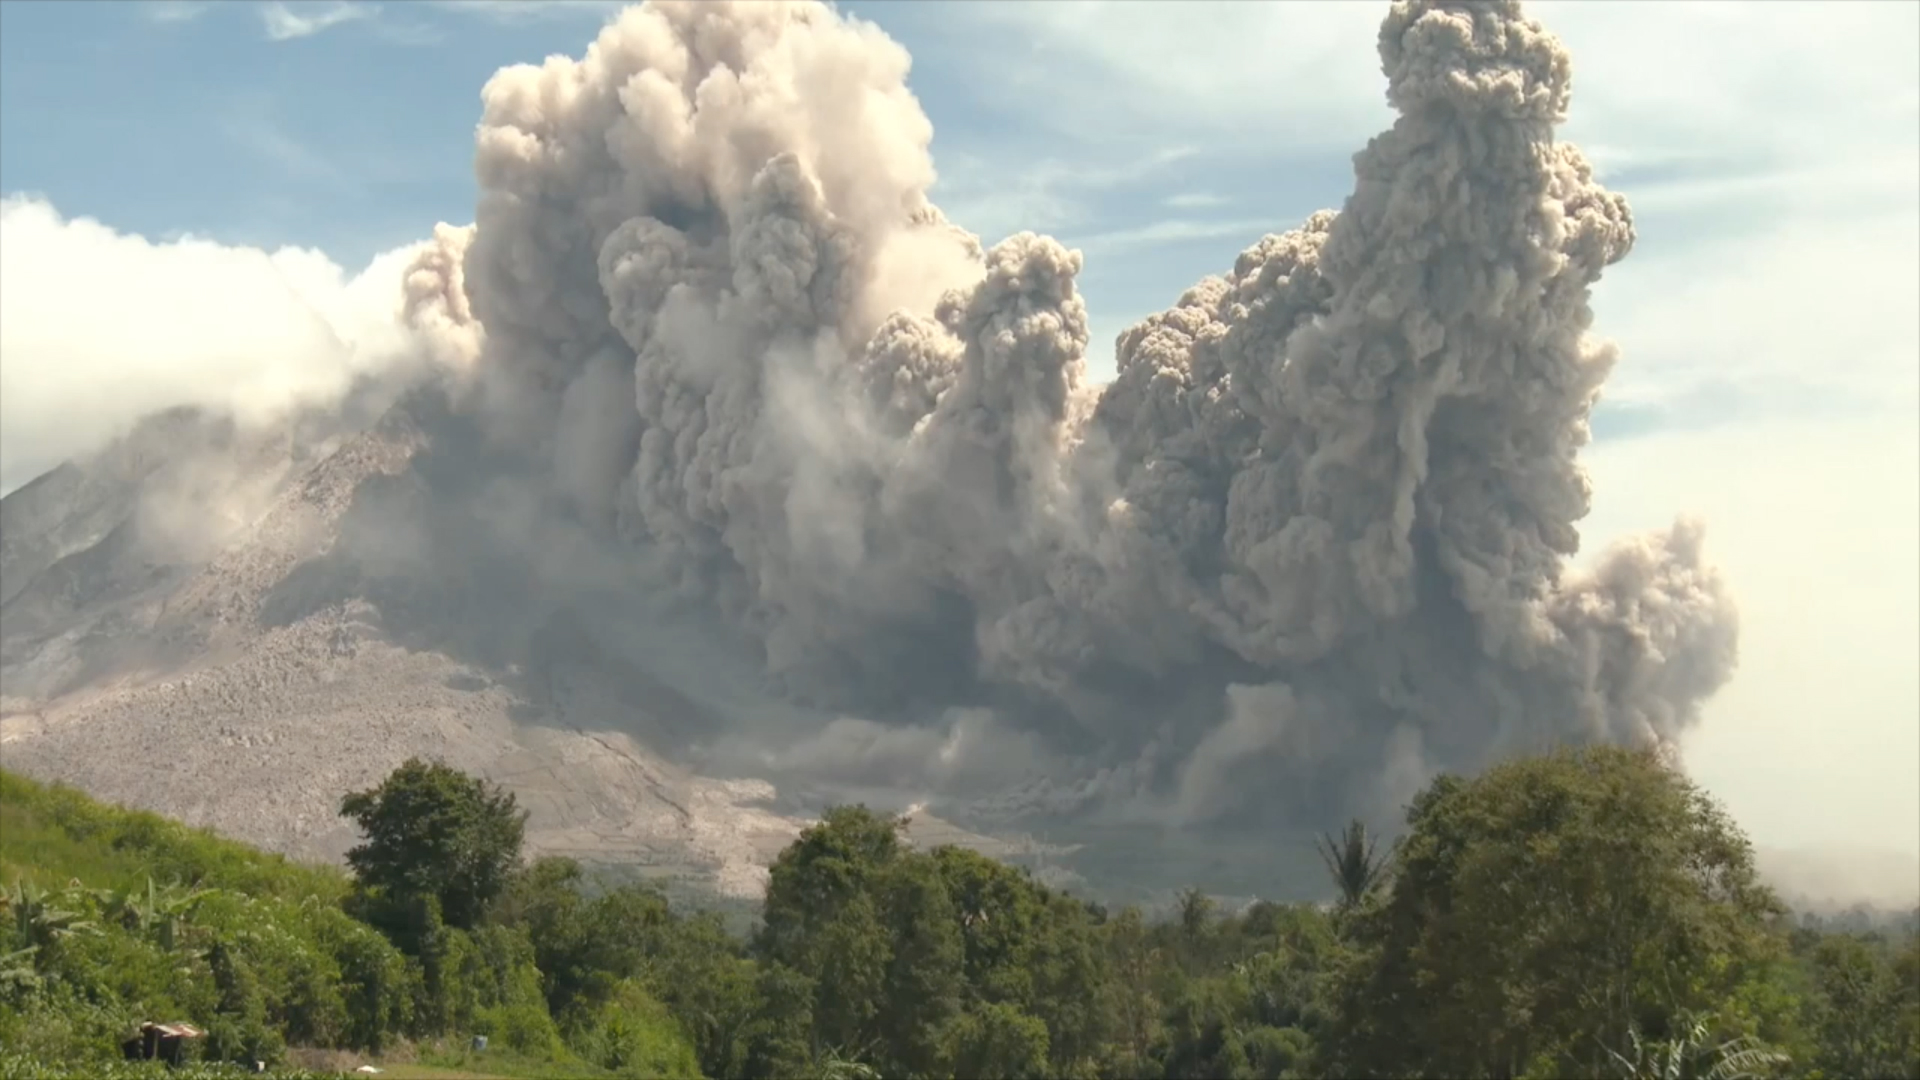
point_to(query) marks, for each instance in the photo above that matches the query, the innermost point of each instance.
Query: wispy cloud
(520, 11)
(1194, 200)
(174, 11)
(285, 23)
(1116, 242)
(252, 125)
(998, 197)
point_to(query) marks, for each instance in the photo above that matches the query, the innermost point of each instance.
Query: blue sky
(1768, 320)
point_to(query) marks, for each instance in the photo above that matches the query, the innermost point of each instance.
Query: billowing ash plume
(1318, 526)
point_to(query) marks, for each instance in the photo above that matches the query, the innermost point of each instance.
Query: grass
(415, 1071)
(427, 1061)
(52, 834)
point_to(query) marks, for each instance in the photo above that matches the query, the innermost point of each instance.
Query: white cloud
(99, 328)
(284, 23)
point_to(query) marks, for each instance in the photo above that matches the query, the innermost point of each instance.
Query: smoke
(1313, 542)
(193, 323)
(1318, 527)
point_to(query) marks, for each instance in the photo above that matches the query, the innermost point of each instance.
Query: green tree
(238, 1030)
(1864, 1007)
(1134, 962)
(825, 869)
(823, 919)
(997, 1040)
(1001, 915)
(1201, 1039)
(702, 974)
(1538, 915)
(582, 947)
(632, 1034)
(1352, 862)
(1073, 985)
(777, 1040)
(432, 830)
(1905, 1006)
(1195, 919)
(923, 985)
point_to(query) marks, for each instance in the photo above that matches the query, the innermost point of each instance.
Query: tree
(997, 1040)
(1352, 862)
(823, 919)
(1133, 960)
(1863, 1007)
(776, 1043)
(432, 830)
(923, 985)
(1539, 915)
(830, 865)
(1196, 913)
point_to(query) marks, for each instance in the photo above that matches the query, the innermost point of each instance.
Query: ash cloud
(1312, 542)
(1313, 539)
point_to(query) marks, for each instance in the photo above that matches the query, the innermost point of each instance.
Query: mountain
(223, 626)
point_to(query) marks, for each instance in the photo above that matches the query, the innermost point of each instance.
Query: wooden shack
(161, 1042)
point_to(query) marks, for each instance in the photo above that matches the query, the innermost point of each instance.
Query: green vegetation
(1588, 913)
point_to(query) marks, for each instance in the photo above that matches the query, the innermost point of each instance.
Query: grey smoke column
(1344, 475)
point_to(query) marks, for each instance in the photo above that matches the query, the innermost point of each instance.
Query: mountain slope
(242, 674)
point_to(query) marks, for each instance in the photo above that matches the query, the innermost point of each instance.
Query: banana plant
(17, 975)
(835, 1066)
(159, 910)
(37, 920)
(1693, 1055)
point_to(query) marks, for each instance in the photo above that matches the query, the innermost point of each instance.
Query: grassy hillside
(110, 917)
(50, 835)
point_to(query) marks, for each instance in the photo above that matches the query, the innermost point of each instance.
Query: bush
(526, 1028)
(633, 1034)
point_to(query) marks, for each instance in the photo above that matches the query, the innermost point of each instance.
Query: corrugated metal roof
(174, 1031)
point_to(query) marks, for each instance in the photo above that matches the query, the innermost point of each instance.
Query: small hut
(159, 1041)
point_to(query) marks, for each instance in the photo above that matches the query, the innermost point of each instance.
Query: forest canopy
(1585, 913)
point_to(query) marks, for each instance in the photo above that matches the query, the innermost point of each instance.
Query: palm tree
(1352, 861)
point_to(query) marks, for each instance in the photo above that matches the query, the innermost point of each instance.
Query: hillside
(239, 674)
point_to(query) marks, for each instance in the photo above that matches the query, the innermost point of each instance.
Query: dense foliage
(435, 833)
(1588, 913)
